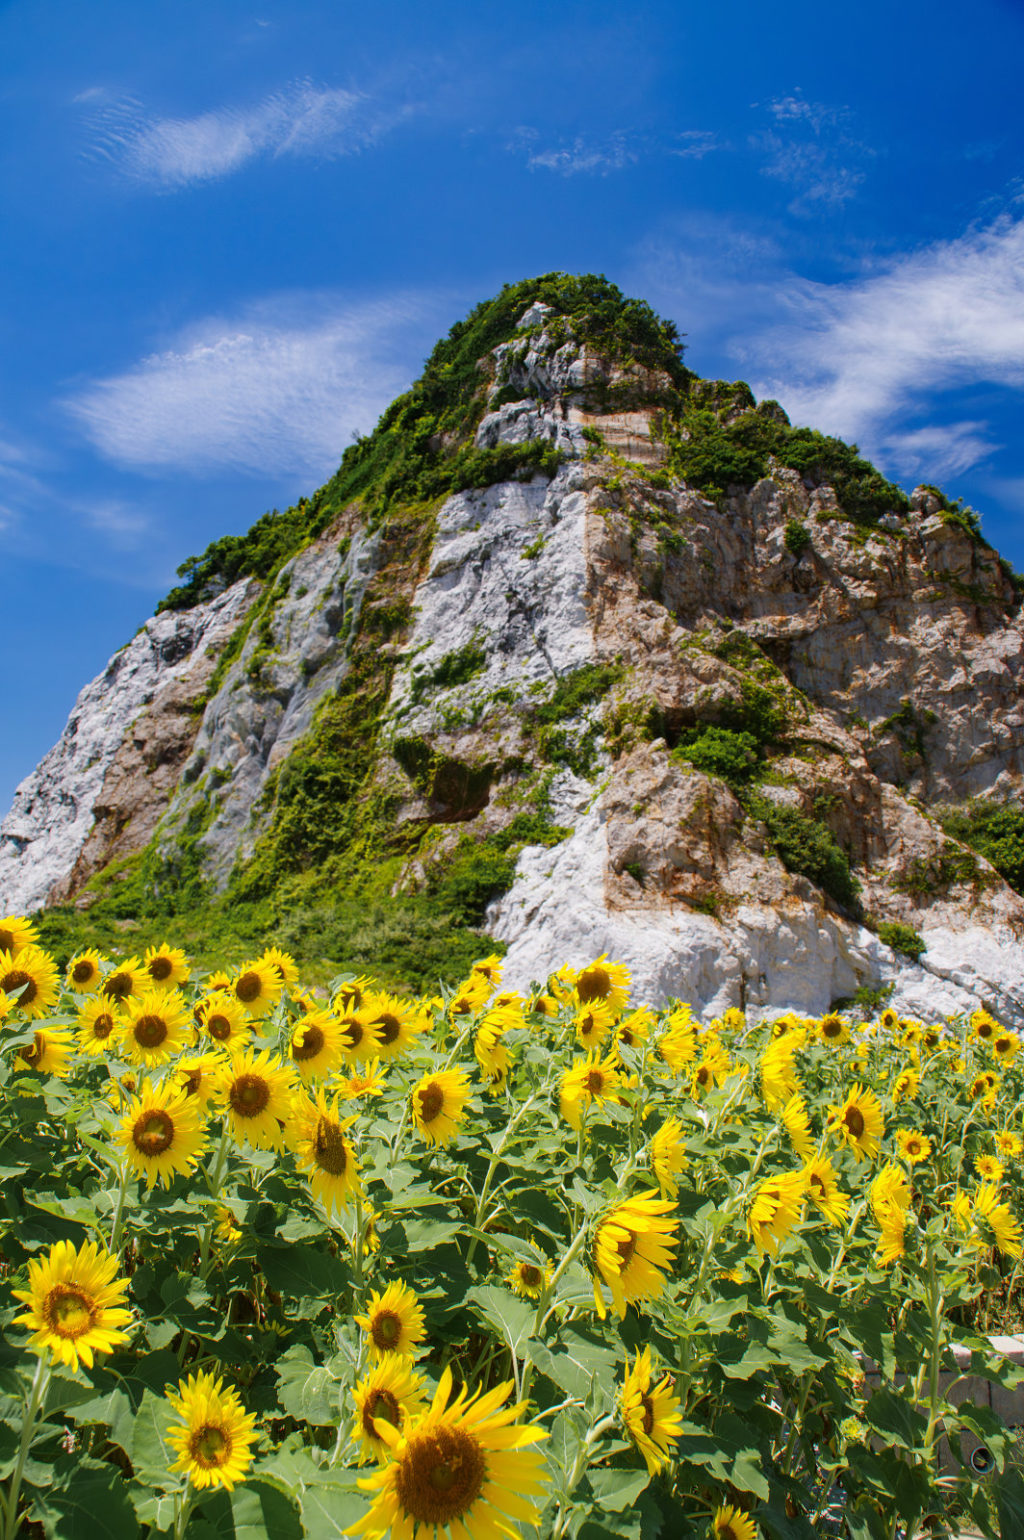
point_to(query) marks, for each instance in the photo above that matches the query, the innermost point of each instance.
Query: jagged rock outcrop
(706, 731)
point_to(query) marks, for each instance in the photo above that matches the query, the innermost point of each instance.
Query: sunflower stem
(118, 1220)
(33, 1406)
(183, 1508)
(214, 1180)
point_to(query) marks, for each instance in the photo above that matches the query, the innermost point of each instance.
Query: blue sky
(234, 231)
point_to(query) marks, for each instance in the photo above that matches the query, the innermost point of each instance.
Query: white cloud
(942, 450)
(694, 144)
(856, 358)
(811, 150)
(278, 389)
(579, 154)
(301, 119)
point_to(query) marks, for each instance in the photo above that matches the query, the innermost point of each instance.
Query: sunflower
(998, 1223)
(824, 1191)
(49, 1052)
(914, 1146)
(779, 1079)
(359, 1040)
(593, 1080)
(985, 1089)
(256, 1092)
(491, 1055)
(16, 932)
(393, 1393)
(635, 1028)
(470, 996)
(633, 1246)
(489, 968)
(84, 973)
(315, 1048)
(1009, 1144)
(906, 1084)
(1006, 1047)
(258, 987)
(983, 1026)
(606, 981)
(892, 1244)
(6, 1005)
(437, 1104)
(777, 1206)
(213, 1444)
(890, 1189)
(166, 966)
(464, 1465)
(988, 1168)
(34, 973)
(833, 1030)
(889, 1020)
(199, 1075)
(154, 1027)
(352, 995)
(668, 1156)
(98, 1024)
(393, 1322)
(858, 1122)
(797, 1124)
(528, 1279)
(678, 1046)
(650, 1412)
(396, 1023)
(370, 1081)
(323, 1152)
(125, 981)
(713, 1069)
(731, 1523)
(76, 1306)
(283, 963)
(224, 1018)
(162, 1134)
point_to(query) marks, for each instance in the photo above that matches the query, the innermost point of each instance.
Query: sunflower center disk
(249, 1095)
(329, 1148)
(118, 986)
(150, 1031)
(626, 1250)
(593, 984)
(82, 972)
(386, 1329)
(382, 1405)
(18, 979)
(595, 1082)
(352, 1032)
(68, 1311)
(34, 1051)
(307, 1044)
(218, 1027)
(103, 1025)
(160, 968)
(431, 1101)
(441, 1475)
(854, 1120)
(153, 1133)
(249, 988)
(531, 1276)
(648, 1406)
(210, 1445)
(390, 1026)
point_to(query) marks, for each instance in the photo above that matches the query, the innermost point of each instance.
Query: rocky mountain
(584, 654)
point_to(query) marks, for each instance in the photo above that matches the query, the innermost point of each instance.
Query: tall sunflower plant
(486, 1264)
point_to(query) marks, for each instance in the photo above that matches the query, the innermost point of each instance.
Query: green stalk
(118, 1220)
(33, 1407)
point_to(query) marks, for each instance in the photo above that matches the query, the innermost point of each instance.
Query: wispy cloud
(871, 358)
(280, 388)
(580, 154)
(302, 119)
(855, 357)
(694, 144)
(812, 150)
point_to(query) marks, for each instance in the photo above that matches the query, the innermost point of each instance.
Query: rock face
(551, 654)
(100, 790)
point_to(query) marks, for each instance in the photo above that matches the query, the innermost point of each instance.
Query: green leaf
(306, 1390)
(577, 1360)
(149, 1453)
(511, 1317)
(301, 1273)
(87, 1501)
(257, 1510)
(1009, 1495)
(618, 1489)
(894, 1416)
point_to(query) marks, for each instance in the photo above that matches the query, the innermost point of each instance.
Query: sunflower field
(283, 1263)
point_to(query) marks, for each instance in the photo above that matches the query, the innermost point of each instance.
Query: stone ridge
(556, 657)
